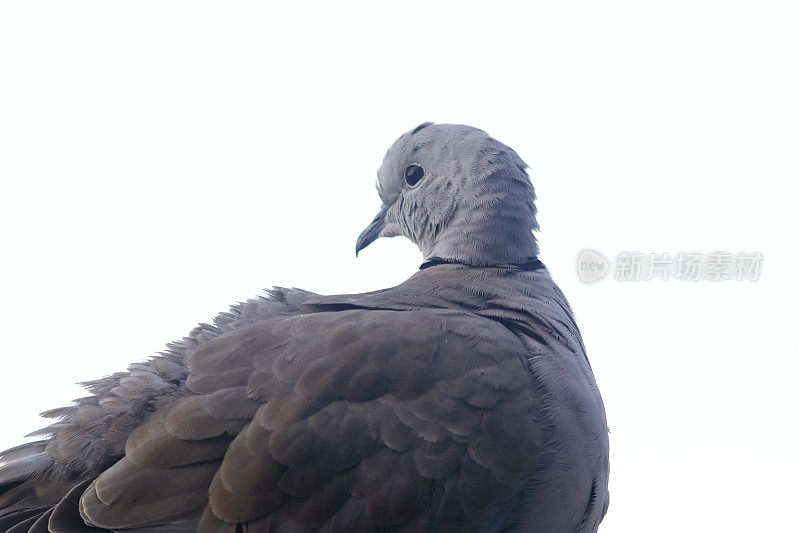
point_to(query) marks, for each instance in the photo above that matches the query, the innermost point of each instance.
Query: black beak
(373, 231)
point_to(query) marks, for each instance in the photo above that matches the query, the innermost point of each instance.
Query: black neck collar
(528, 265)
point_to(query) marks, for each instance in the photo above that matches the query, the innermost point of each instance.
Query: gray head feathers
(470, 200)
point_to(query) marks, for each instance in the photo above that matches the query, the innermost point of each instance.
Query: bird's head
(458, 194)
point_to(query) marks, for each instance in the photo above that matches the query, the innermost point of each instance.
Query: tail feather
(21, 497)
(25, 525)
(19, 494)
(24, 468)
(66, 517)
(41, 523)
(23, 450)
(12, 519)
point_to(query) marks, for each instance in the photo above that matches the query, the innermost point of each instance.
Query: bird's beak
(373, 231)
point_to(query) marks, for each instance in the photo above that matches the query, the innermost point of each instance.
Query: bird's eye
(414, 174)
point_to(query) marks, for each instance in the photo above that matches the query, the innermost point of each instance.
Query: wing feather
(352, 420)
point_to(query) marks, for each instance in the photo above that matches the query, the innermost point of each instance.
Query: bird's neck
(485, 244)
(493, 223)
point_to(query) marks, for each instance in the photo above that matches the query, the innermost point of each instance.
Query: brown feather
(41, 524)
(9, 520)
(66, 517)
(24, 525)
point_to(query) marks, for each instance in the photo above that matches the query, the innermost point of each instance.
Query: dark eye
(414, 174)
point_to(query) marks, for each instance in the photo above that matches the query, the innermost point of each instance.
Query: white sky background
(162, 160)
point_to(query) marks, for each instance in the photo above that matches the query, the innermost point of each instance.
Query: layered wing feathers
(359, 420)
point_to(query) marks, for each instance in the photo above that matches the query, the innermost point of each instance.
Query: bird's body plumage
(459, 400)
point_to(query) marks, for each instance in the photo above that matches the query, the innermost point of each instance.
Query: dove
(459, 400)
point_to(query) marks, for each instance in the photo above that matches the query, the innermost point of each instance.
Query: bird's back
(569, 488)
